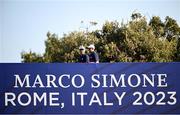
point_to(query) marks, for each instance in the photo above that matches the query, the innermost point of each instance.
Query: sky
(25, 23)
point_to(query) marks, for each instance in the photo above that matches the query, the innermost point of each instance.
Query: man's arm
(87, 59)
(96, 57)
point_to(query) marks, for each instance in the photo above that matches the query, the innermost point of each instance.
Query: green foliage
(172, 29)
(157, 26)
(135, 41)
(178, 50)
(65, 49)
(143, 45)
(31, 57)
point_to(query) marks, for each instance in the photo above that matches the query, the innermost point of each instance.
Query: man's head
(82, 49)
(91, 48)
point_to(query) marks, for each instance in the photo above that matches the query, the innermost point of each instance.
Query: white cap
(82, 48)
(91, 46)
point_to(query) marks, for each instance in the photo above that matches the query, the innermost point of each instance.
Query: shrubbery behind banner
(111, 88)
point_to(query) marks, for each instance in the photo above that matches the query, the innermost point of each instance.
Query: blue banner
(105, 88)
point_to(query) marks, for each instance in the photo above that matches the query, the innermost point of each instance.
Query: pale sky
(24, 23)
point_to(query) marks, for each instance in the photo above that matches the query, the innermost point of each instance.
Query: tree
(143, 45)
(65, 49)
(157, 26)
(136, 16)
(31, 57)
(172, 29)
(135, 41)
(178, 50)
